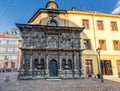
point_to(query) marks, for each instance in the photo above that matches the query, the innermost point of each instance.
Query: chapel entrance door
(53, 68)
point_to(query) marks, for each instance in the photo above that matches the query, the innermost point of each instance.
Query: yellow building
(101, 32)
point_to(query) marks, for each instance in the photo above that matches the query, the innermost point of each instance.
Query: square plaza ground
(83, 84)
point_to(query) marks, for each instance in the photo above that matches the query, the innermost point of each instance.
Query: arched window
(42, 64)
(53, 22)
(39, 65)
(36, 63)
(63, 64)
(70, 64)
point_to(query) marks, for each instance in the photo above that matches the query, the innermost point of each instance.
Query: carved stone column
(47, 64)
(60, 60)
(75, 63)
(31, 63)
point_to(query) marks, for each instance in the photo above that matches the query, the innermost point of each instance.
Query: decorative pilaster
(31, 63)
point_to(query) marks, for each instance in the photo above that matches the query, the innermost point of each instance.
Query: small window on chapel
(53, 22)
(114, 26)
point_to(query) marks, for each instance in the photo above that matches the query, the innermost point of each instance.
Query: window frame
(116, 48)
(87, 45)
(115, 28)
(100, 25)
(103, 46)
(86, 22)
(89, 66)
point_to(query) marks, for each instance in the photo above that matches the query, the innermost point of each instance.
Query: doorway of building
(107, 67)
(118, 66)
(53, 68)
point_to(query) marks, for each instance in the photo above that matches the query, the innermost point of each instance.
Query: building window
(36, 63)
(39, 65)
(102, 44)
(89, 66)
(6, 49)
(87, 44)
(42, 64)
(14, 57)
(116, 44)
(70, 64)
(12, 64)
(6, 58)
(114, 26)
(85, 23)
(63, 64)
(53, 22)
(1, 57)
(7, 41)
(100, 25)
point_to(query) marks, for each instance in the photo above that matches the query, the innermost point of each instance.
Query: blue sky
(20, 11)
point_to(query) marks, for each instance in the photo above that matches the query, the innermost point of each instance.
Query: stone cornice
(45, 28)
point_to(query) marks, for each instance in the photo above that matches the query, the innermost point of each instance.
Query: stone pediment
(44, 16)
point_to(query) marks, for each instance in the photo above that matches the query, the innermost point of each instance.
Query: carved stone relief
(53, 56)
(52, 42)
(39, 40)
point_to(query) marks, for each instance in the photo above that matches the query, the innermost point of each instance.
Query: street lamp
(100, 64)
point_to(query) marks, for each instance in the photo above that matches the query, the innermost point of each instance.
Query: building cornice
(38, 27)
(99, 14)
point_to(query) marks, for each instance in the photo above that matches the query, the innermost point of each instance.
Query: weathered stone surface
(52, 50)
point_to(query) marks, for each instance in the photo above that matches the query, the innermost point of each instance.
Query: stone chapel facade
(49, 47)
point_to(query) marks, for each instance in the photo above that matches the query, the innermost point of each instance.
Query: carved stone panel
(52, 42)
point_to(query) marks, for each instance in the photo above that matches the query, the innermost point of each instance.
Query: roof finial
(51, 0)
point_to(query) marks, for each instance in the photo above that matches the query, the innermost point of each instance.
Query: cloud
(117, 9)
(118, 4)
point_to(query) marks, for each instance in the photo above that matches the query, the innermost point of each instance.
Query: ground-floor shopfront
(8, 65)
(110, 65)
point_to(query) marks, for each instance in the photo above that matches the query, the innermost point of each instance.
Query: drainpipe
(95, 40)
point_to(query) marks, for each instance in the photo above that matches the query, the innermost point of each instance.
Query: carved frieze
(39, 40)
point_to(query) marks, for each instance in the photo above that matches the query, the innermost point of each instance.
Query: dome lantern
(51, 5)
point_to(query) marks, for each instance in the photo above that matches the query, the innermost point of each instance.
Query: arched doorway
(53, 68)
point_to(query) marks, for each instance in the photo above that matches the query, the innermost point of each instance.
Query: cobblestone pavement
(86, 84)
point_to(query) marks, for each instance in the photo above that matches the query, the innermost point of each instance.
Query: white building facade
(9, 43)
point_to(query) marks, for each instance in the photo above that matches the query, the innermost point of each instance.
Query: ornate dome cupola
(51, 5)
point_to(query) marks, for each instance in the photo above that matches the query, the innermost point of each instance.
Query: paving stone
(87, 84)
